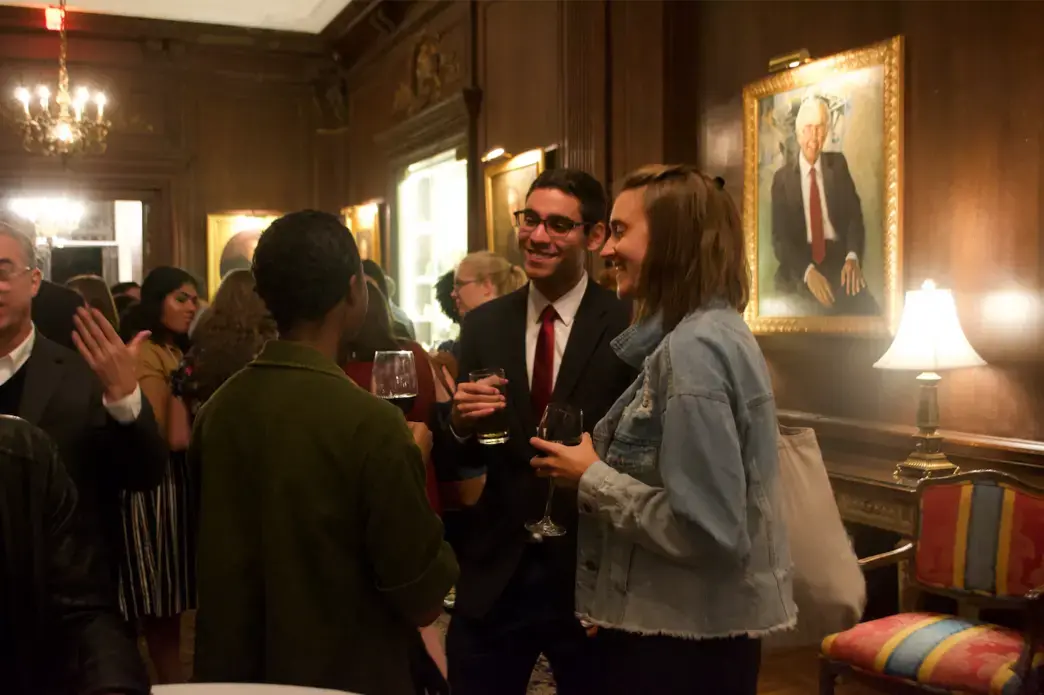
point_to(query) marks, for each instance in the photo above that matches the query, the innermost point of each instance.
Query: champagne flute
(395, 378)
(492, 429)
(562, 424)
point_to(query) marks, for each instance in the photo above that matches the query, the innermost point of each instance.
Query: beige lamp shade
(930, 337)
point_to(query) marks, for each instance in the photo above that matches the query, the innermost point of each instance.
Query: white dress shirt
(828, 229)
(125, 410)
(567, 305)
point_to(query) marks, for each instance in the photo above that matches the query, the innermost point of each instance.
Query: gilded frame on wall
(839, 271)
(367, 221)
(231, 240)
(507, 183)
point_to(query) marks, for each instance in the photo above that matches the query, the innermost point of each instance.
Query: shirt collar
(566, 306)
(639, 341)
(286, 353)
(806, 167)
(20, 355)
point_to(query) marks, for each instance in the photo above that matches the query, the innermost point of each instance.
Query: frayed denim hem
(790, 624)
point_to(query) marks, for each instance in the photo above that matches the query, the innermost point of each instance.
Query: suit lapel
(43, 377)
(514, 337)
(588, 328)
(795, 194)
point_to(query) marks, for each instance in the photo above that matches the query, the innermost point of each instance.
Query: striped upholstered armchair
(980, 538)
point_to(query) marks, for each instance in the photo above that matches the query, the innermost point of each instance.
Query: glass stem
(550, 496)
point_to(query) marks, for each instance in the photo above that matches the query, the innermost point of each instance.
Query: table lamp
(929, 340)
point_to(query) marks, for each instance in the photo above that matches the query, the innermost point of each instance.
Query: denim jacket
(680, 529)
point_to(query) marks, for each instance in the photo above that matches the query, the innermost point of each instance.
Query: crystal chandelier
(59, 123)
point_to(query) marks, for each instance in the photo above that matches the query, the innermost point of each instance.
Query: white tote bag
(829, 588)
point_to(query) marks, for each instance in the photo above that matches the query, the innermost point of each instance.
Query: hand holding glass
(395, 378)
(492, 429)
(562, 424)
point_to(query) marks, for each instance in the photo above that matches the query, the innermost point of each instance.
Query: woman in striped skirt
(158, 577)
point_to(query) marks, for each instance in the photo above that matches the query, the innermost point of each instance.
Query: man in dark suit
(515, 594)
(90, 403)
(54, 307)
(817, 224)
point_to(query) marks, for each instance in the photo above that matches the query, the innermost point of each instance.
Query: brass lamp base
(921, 467)
(927, 460)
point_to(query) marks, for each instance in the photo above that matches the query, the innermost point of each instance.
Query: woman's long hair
(230, 334)
(374, 335)
(95, 291)
(147, 315)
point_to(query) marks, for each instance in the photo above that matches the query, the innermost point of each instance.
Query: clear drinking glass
(562, 424)
(395, 378)
(492, 429)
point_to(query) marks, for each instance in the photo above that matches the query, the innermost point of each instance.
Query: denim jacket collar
(639, 341)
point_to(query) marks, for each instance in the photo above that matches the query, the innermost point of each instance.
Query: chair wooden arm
(1034, 640)
(885, 559)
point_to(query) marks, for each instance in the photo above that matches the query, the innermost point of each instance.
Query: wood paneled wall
(205, 119)
(211, 119)
(974, 191)
(620, 83)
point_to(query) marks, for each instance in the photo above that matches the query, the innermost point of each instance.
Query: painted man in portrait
(818, 233)
(238, 252)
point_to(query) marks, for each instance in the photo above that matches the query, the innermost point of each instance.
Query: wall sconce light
(789, 61)
(495, 153)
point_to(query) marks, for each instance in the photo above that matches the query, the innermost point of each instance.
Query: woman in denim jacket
(682, 555)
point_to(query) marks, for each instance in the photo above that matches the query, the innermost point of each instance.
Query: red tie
(815, 211)
(544, 363)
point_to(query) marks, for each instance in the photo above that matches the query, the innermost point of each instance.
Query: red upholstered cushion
(939, 651)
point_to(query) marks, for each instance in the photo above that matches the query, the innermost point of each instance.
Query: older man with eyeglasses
(88, 403)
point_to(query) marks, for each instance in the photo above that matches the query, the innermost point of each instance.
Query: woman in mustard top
(158, 577)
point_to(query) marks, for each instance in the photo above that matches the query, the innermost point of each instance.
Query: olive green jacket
(318, 551)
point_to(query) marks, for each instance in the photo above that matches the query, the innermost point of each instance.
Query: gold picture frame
(850, 111)
(507, 183)
(231, 240)
(367, 221)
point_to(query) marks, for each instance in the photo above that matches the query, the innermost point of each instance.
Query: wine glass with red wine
(562, 424)
(395, 378)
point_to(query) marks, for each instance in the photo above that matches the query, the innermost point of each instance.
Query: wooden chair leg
(827, 677)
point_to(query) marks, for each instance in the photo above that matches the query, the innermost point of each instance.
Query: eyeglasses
(461, 284)
(556, 225)
(9, 273)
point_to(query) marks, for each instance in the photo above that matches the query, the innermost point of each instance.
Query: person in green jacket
(319, 556)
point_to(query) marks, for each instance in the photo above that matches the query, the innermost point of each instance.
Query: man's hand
(422, 436)
(115, 364)
(819, 286)
(476, 400)
(852, 277)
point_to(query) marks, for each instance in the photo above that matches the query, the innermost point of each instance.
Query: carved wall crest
(430, 68)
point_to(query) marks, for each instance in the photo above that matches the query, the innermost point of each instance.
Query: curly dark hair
(304, 265)
(229, 335)
(444, 295)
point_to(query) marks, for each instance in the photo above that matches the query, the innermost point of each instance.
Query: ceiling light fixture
(62, 125)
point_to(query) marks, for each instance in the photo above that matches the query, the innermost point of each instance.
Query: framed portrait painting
(822, 196)
(367, 222)
(231, 240)
(507, 183)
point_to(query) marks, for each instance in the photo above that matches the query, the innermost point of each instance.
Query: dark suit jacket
(63, 397)
(61, 631)
(53, 309)
(491, 537)
(789, 231)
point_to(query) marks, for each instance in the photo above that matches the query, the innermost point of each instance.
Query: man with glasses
(514, 599)
(89, 404)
